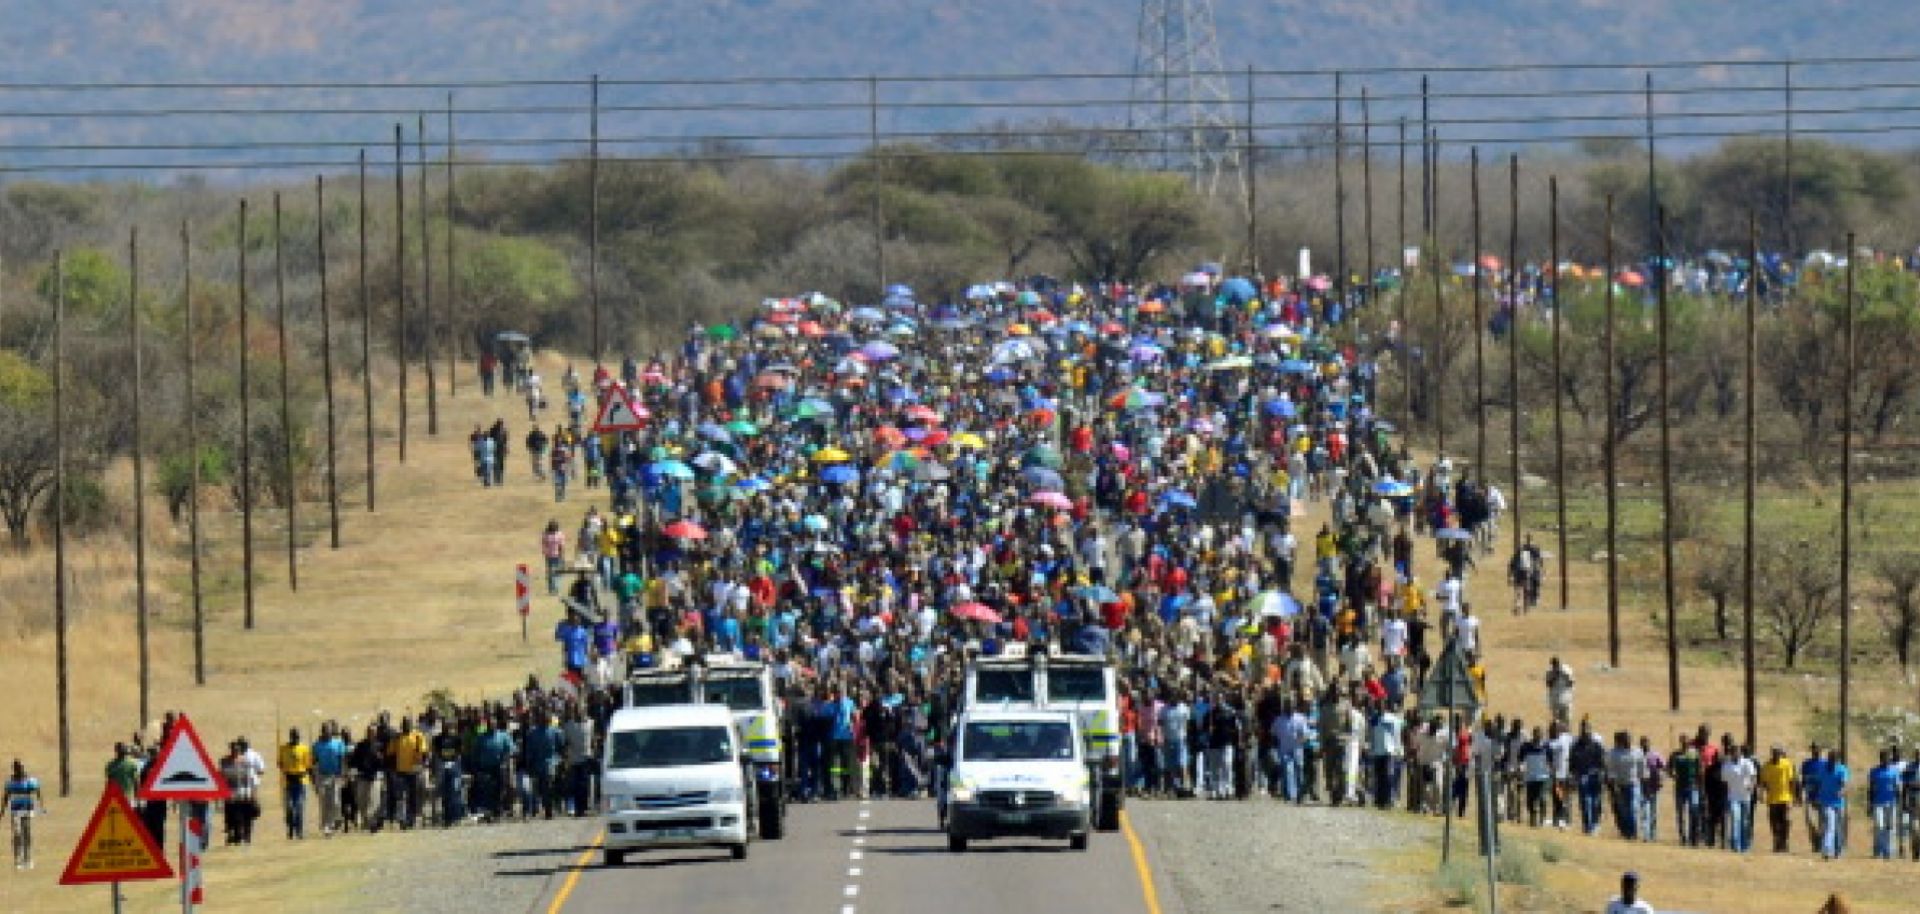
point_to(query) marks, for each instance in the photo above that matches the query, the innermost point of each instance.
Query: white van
(1018, 773)
(673, 777)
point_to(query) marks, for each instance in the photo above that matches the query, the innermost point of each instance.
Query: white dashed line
(852, 890)
(856, 855)
(859, 840)
(853, 872)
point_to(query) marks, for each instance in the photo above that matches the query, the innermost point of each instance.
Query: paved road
(857, 857)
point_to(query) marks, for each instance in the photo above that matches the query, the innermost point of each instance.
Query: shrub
(1459, 884)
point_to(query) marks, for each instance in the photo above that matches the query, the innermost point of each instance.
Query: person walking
(1779, 786)
(1655, 778)
(329, 775)
(1830, 798)
(1737, 770)
(483, 455)
(1684, 764)
(406, 758)
(1560, 692)
(537, 450)
(553, 550)
(1629, 900)
(1883, 797)
(296, 767)
(24, 801)
(1587, 762)
(1626, 770)
(243, 784)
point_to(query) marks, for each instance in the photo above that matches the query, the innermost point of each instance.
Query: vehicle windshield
(652, 693)
(1076, 684)
(1014, 741)
(738, 693)
(669, 747)
(1003, 685)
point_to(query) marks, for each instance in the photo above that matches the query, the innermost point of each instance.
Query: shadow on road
(929, 850)
(928, 830)
(541, 852)
(633, 863)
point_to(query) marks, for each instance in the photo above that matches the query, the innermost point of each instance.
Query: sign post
(522, 597)
(618, 413)
(1449, 688)
(114, 848)
(184, 772)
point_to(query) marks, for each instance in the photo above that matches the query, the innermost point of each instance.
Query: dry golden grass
(419, 597)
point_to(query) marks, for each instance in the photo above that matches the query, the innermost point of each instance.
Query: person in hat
(1629, 900)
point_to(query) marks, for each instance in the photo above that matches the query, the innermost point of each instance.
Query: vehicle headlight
(960, 792)
(728, 795)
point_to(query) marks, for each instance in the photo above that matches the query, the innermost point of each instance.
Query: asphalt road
(865, 856)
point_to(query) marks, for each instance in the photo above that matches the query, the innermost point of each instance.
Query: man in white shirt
(1383, 751)
(1468, 630)
(1393, 638)
(1629, 900)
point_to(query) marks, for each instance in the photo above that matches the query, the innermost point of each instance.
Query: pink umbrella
(1121, 453)
(976, 612)
(685, 530)
(1052, 500)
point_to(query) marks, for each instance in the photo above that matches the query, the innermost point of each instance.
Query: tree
(1125, 222)
(511, 283)
(1718, 574)
(26, 450)
(1900, 608)
(1802, 584)
(97, 284)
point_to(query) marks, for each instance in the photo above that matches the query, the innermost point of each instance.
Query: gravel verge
(505, 867)
(1263, 855)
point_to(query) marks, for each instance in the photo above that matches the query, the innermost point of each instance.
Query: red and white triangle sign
(184, 770)
(618, 413)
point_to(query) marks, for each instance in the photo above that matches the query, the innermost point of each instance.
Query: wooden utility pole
(287, 477)
(879, 176)
(326, 362)
(1609, 456)
(453, 281)
(1846, 506)
(1513, 343)
(1253, 186)
(246, 436)
(1559, 423)
(366, 332)
(1437, 355)
(1479, 328)
(139, 471)
(1666, 471)
(193, 453)
(1749, 543)
(1340, 195)
(593, 216)
(60, 518)
(1406, 319)
(1366, 185)
(400, 274)
(426, 281)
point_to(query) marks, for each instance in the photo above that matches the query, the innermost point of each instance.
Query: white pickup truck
(1018, 773)
(675, 776)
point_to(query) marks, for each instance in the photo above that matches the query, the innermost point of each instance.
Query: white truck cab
(1018, 773)
(1086, 685)
(745, 688)
(673, 777)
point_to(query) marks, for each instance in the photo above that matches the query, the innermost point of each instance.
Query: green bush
(1552, 852)
(88, 510)
(1518, 866)
(1459, 884)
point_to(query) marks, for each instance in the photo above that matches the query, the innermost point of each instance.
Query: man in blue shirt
(1830, 795)
(574, 636)
(329, 767)
(1883, 794)
(843, 768)
(1812, 770)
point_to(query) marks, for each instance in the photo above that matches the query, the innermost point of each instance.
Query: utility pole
(1406, 320)
(1513, 341)
(426, 280)
(246, 436)
(1846, 506)
(1559, 419)
(400, 274)
(879, 176)
(139, 471)
(286, 406)
(1479, 326)
(1340, 196)
(326, 362)
(1609, 454)
(1253, 185)
(1366, 184)
(366, 332)
(193, 451)
(60, 518)
(1748, 541)
(453, 279)
(593, 217)
(1666, 473)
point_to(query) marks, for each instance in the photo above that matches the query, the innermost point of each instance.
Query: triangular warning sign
(116, 847)
(619, 414)
(1450, 685)
(184, 770)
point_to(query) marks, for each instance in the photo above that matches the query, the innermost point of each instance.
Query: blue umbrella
(1392, 488)
(839, 474)
(1042, 479)
(673, 468)
(1276, 603)
(1296, 366)
(753, 484)
(900, 291)
(1284, 409)
(867, 315)
(1099, 593)
(1179, 500)
(1000, 375)
(1453, 533)
(1239, 290)
(713, 431)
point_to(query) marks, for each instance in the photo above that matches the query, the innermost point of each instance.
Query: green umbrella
(743, 427)
(1042, 456)
(721, 332)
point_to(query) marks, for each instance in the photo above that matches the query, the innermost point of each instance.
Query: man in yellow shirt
(1779, 783)
(296, 767)
(406, 756)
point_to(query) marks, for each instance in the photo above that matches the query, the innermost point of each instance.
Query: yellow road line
(1147, 892)
(573, 878)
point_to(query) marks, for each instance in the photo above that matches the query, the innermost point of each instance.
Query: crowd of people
(866, 498)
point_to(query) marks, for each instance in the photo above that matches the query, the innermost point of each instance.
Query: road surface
(870, 856)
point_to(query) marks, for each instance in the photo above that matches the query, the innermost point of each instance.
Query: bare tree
(1899, 608)
(1802, 591)
(1717, 575)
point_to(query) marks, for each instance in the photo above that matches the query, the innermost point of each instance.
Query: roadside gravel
(505, 867)
(1262, 855)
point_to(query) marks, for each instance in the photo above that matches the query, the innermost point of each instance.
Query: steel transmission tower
(1179, 113)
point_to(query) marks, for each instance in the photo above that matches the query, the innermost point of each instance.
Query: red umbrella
(686, 530)
(977, 612)
(922, 414)
(934, 438)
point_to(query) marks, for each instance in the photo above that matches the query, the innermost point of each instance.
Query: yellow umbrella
(831, 455)
(967, 439)
(1019, 330)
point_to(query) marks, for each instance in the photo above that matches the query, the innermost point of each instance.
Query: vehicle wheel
(1078, 842)
(1108, 818)
(772, 817)
(615, 858)
(740, 851)
(956, 844)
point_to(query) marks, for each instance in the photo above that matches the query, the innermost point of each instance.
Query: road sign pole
(523, 597)
(115, 888)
